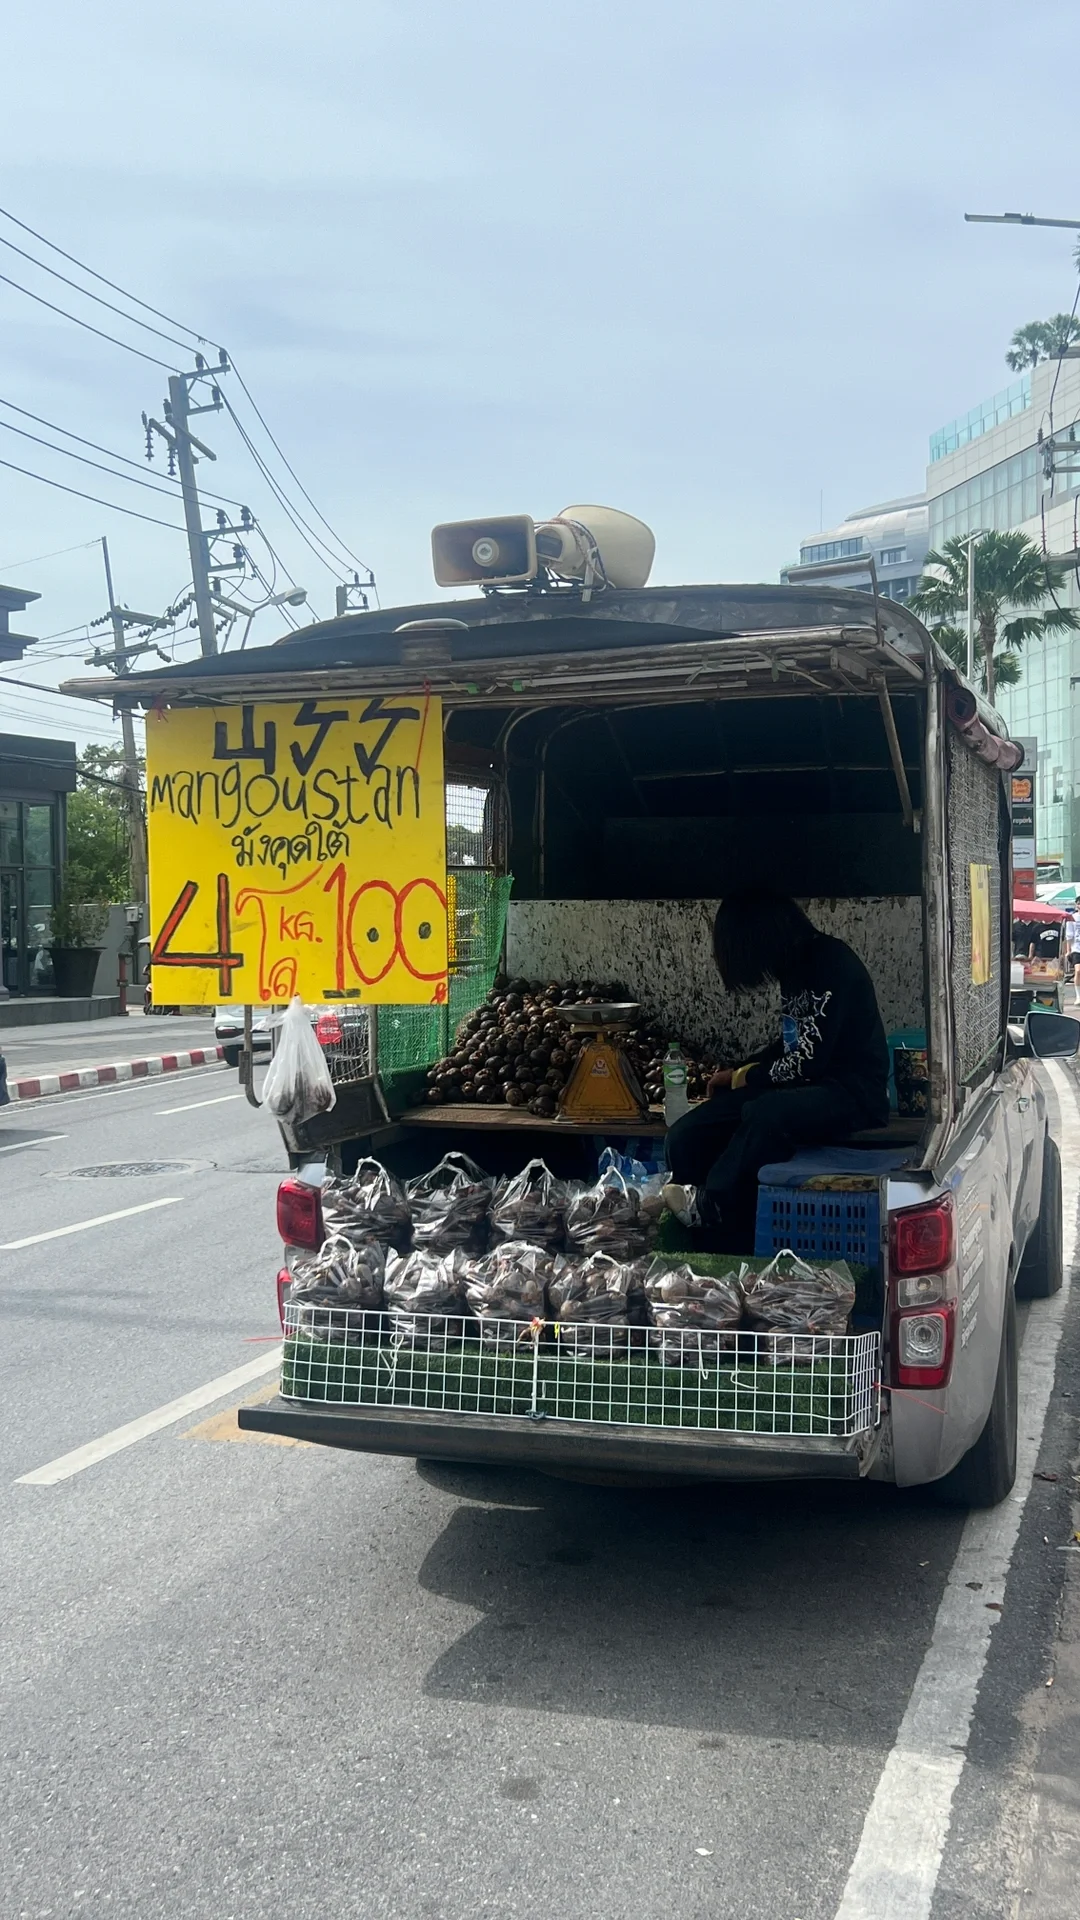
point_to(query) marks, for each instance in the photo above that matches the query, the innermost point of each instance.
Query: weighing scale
(603, 1087)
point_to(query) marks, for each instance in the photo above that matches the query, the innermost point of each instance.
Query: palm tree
(1008, 671)
(1042, 340)
(1011, 574)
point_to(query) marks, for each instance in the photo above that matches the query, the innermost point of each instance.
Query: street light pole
(1019, 220)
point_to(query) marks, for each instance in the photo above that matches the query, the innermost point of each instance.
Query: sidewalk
(62, 1056)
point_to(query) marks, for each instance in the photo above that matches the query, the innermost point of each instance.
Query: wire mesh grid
(975, 804)
(815, 1384)
(478, 893)
(344, 1034)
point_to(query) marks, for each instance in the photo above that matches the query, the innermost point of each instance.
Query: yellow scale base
(602, 1087)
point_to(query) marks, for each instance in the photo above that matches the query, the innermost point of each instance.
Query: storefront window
(29, 839)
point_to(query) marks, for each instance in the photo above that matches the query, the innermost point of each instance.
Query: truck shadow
(793, 1612)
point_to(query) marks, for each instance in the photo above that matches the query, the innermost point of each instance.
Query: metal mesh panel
(973, 814)
(477, 898)
(451, 1364)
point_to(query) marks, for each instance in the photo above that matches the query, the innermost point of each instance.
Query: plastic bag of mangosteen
(608, 1218)
(367, 1204)
(450, 1206)
(792, 1303)
(590, 1301)
(508, 1284)
(425, 1298)
(336, 1289)
(694, 1315)
(530, 1206)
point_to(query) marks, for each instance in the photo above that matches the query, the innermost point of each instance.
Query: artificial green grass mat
(467, 1378)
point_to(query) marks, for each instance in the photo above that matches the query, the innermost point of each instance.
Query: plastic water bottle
(676, 1099)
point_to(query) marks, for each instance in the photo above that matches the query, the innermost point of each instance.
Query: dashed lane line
(219, 1101)
(17, 1146)
(80, 1226)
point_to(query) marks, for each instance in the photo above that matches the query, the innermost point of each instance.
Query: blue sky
(707, 263)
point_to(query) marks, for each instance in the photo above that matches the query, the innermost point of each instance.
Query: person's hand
(718, 1080)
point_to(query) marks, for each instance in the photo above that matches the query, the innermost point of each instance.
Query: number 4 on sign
(163, 954)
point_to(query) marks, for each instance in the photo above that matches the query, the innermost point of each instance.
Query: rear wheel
(231, 1056)
(1042, 1268)
(987, 1471)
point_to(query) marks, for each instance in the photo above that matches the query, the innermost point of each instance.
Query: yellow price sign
(299, 848)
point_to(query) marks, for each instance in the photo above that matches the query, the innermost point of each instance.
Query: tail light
(922, 1292)
(921, 1239)
(299, 1215)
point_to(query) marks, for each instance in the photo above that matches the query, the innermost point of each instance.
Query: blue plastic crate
(815, 1220)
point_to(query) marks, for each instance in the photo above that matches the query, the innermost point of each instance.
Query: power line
(203, 338)
(54, 427)
(87, 295)
(150, 519)
(320, 516)
(133, 480)
(13, 566)
(333, 564)
(336, 565)
(64, 315)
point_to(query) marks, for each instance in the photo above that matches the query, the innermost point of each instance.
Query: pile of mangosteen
(517, 1050)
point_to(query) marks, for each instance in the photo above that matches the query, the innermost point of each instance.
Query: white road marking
(18, 1145)
(895, 1871)
(148, 1423)
(192, 1104)
(99, 1220)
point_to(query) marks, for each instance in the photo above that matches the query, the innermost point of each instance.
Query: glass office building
(987, 470)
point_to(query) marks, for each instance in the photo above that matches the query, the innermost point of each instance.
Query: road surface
(251, 1679)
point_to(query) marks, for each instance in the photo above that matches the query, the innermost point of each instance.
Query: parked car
(5, 1097)
(229, 1032)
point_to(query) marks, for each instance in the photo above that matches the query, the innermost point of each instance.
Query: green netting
(415, 1036)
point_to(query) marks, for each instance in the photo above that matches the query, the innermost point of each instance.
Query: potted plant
(75, 930)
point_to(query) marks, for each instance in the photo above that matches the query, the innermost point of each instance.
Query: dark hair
(756, 935)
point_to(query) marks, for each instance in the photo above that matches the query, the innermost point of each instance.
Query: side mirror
(1051, 1036)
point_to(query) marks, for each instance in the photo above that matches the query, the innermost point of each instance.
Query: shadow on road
(791, 1612)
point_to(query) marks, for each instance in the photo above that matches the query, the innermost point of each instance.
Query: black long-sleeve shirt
(831, 1030)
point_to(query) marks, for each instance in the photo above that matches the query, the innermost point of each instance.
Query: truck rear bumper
(563, 1445)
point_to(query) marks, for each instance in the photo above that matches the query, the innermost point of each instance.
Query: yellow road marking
(222, 1426)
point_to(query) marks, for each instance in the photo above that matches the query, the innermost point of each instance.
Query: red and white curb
(104, 1076)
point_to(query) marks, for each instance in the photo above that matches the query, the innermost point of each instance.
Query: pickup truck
(630, 754)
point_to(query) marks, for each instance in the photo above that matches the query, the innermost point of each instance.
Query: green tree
(1013, 582)
(1007, 668)
(98, 865)
(1042, 340)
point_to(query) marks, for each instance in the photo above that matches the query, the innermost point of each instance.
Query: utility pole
(181, 443)
(120, 619)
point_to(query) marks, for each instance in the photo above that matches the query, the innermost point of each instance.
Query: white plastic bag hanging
(298, 1083)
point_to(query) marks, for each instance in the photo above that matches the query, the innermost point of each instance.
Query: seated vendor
(824, 1078)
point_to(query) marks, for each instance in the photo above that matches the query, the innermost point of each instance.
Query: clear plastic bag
(531, 1206)
(509, 1284)
(298, 1083)
(694, 1315)
(425, 1298)
(343, 1274)
(607, 1218)
(368, 1204)
(590, 1300)
(450, 1206)
(792, 1302)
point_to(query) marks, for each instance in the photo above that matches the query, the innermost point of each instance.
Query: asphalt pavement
(245, 1679)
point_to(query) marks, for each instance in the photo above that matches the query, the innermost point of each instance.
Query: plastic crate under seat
(824, 1203)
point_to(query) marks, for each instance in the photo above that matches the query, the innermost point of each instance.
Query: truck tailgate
(555, 1444)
